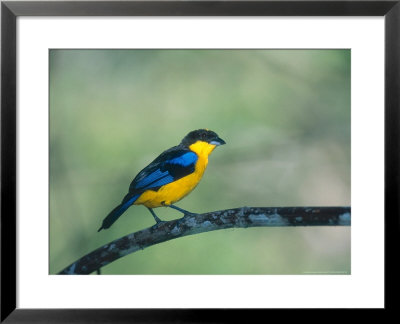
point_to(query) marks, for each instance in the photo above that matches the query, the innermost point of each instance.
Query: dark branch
(188, 225)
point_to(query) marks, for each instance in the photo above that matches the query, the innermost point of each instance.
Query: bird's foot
(158, 224)
(158, 220)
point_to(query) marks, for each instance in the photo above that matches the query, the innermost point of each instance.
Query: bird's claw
(159, 223)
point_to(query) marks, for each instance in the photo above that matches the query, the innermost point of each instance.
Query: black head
(203, 135)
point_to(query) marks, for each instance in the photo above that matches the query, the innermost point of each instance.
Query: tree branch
(189, 225)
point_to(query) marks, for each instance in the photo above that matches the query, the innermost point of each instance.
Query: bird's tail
(117, 212)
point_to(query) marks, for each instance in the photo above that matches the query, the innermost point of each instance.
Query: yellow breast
(178, 189)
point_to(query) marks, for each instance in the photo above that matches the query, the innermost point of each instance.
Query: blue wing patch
(162, 182)
(164, 170)
(184, 160)
(156, 175)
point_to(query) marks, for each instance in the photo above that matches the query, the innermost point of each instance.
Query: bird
(170, 177)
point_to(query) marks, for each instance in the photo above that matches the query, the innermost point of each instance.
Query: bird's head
(202, 139)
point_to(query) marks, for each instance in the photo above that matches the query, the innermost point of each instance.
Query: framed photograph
(111, 111)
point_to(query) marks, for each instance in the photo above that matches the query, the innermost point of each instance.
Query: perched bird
(170, 177)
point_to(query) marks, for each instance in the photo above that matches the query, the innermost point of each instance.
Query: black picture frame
(11, 10)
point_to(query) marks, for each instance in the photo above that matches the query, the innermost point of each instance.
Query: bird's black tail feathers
(117, 212)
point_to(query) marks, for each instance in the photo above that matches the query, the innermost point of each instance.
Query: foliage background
(285, 115)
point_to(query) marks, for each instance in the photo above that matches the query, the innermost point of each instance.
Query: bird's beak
(217, 141)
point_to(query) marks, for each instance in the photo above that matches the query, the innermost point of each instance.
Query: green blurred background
(285, 115)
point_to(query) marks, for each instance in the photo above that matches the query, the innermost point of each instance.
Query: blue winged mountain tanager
(170, 177)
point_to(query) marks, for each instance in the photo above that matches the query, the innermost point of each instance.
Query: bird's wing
(170, 166)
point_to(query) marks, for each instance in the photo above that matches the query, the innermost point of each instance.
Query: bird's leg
(182, 210)
(154, 215)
